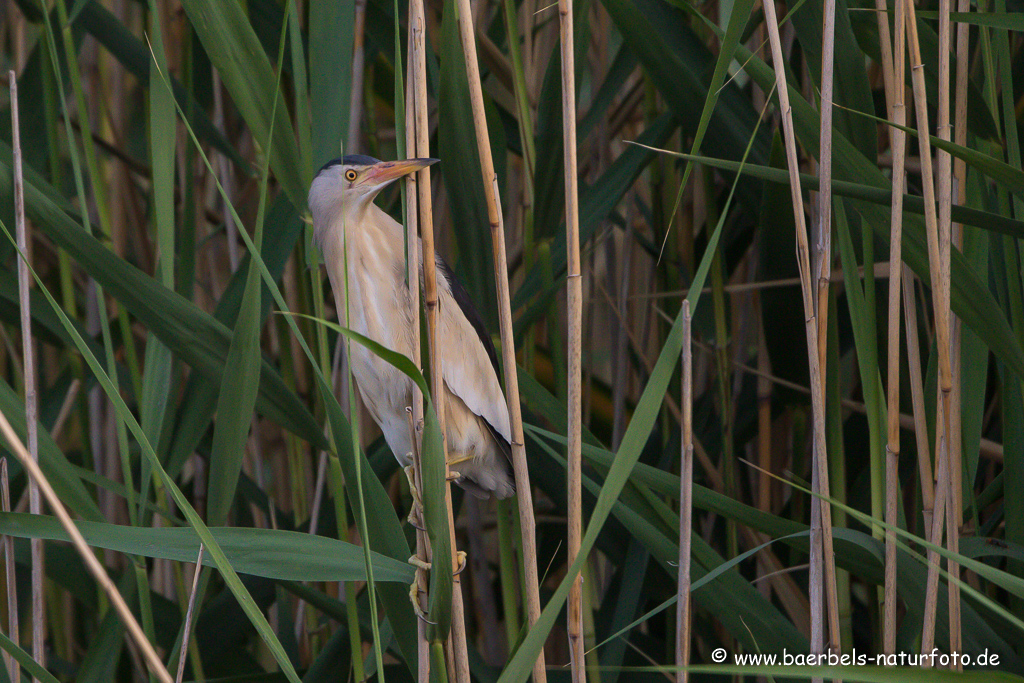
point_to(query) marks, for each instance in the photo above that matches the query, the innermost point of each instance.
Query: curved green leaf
(272, 553)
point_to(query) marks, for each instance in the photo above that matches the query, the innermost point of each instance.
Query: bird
(341, 202)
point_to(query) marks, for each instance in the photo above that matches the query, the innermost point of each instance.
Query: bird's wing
(471, 365)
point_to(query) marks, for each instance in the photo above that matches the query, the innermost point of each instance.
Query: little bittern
(476, 415)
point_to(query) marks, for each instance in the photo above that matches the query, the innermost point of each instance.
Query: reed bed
(838, 465)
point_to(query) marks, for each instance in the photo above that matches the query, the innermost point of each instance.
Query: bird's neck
(373, 246)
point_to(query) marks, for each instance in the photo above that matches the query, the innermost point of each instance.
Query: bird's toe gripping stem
(420, 579)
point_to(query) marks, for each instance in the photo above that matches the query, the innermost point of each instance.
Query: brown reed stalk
(932, 583)
(895, 93)
(924, 460)
(955, 518)
(960, 174)
(620, 348)
(186, 631)
(29, 364)
(823, 226)
(886, 48)
(355, 116)
(817, 388)
(65, 409)
(938, 260)
(13, 668)
(685, 505)
(574, 318)
(423, 550)
(764, 417)
(508, 357)
(458, 652)
(892, 489)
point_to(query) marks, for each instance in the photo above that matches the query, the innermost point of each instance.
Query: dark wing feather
(461, 297)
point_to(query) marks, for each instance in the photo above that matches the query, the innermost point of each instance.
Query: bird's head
(347, 186)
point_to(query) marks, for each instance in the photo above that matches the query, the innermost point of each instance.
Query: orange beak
(387, 171)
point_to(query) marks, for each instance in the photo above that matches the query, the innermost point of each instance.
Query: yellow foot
(423, 566)
(460, 555)
(414, 590)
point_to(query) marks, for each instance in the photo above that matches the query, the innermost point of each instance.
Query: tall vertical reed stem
(896, 92)
(685, 505)
(924, 458)
(355, 116)
(823, 240)
(508, 352)
(29, 363)
(939, 268)
(423, 550)
(960, 175)
(827, 558)
(458, 653)
(574, 318)
(186, 630)
(951, 395)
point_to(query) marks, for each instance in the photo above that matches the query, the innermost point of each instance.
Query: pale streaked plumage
(476, 415)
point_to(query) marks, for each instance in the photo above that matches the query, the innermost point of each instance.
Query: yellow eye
(350, 175)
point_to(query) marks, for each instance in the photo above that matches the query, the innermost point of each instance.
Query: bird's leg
(452, 474)
(418, 586)
(416, 510)
(419, 582)
(460, 555)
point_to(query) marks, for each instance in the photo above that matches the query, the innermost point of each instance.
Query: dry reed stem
(227, 181)
(65, 409)
(822, 249)
(458, 652)
(423, 550)
(823, 226)
(36, 475)
(932, 584)
(764, 418)
(508, 357)
(685, 505)
(574, 318)
(29, 374)
(817, 394)
(187, 628)
(956, 234)
(355, 116)
(897, 112)
(960, 176)
(938, 260)
(621, 309)
(924, 460)
(885, 45)
(13, 668)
